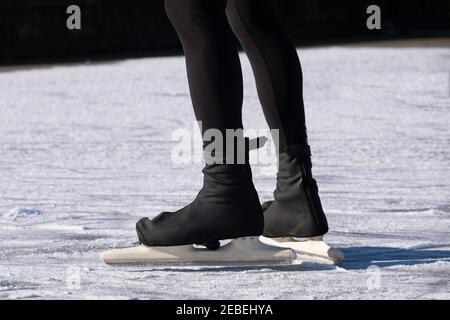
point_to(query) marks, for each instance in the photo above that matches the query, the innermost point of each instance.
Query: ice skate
(239, 252)
(227, 207)
(295, 218)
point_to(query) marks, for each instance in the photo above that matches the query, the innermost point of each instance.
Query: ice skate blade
(242, 251)
(311, 249)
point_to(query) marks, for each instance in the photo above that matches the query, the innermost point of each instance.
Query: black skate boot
(296, 210)
(226, 207)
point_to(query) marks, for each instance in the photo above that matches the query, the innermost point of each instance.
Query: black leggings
(214, 70)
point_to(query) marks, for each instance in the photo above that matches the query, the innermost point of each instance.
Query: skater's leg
(275, 64)
(227, 206)
(296, 210)
(212, 61)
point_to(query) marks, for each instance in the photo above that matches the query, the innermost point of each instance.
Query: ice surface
(20, 213)
(85, 152)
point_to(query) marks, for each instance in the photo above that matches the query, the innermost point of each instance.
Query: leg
(275, 64)
(296, 210)
(227, 206)
(212, 61)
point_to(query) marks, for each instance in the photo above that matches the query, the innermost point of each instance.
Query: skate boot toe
(140, 230)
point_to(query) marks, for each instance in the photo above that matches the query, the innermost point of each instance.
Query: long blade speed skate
(242, 251)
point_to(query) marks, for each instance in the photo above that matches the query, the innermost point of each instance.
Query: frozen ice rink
(85, 152)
